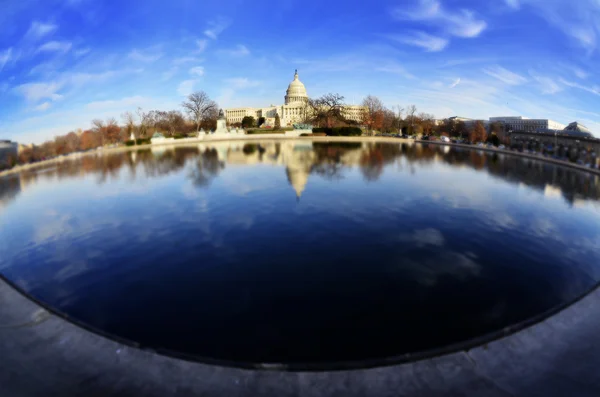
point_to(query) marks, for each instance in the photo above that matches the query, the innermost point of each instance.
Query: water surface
(301, 252)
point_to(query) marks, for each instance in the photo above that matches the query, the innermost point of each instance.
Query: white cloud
(186, 87)
(55, 46)
(132, 101)
(424, 40)
(513, 4)
(38, 30)
(505, 75)
(216, 27)
(239, 51)
(455, 83)
(241, 83)
(201, 44)
(5, 56)
(197, 71)
(147, 56)
(33, 92)
(44, 106)
(461, 24)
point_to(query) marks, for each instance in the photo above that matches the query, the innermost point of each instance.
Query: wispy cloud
(37, 30)
(5, 56)
(396, 69)
(184, 60)
(239, 51)
(55, 46)
(547, 84)
(465, 61)
(34, 92)
(241, 83)
(201, 44)
(577, 19)
(147, 56)
(44, 106)
(461, 24)
(455, 83)
(81, 52)
(168, 74)
(186, 87)
(591, 89)
(197, 71)
(126, 102)
(513, 4)
(424, 40)
(580, 73)
(216, 27)
(505, 75)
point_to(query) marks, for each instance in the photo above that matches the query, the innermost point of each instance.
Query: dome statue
(296, 91)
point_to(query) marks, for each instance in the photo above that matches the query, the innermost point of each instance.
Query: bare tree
(398, 110)
(129, 121)
(328, 108)
(427, 122)
(411, 110)
(199, 106)
(145, 122)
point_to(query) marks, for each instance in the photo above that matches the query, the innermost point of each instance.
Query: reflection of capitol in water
(303, 160)
(298, 158)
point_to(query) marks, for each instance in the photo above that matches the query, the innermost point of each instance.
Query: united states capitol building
(294, 110)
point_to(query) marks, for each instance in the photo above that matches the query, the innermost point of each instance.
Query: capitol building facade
(294, 110)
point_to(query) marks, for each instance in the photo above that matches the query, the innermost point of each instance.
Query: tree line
(201, 112)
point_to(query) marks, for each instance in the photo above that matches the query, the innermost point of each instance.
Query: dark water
(293, 252)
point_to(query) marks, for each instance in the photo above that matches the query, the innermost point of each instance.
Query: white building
(292, 111)
(519, 123)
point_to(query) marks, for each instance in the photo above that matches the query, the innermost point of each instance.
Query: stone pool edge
(43, 352)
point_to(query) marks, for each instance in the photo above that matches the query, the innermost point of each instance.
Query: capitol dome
(296, 91)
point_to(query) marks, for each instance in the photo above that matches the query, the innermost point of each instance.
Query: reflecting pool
(300, 251)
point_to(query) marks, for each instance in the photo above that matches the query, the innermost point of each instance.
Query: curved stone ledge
(45, 355)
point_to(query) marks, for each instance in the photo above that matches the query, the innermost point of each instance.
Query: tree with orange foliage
(478, 133)
(372, 114)
(112, 131)
(90, 140)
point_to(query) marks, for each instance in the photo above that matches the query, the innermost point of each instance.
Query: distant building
(294, 110)
(519, 123)
(9, 152)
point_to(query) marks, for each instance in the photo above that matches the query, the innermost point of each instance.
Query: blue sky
(64, 63)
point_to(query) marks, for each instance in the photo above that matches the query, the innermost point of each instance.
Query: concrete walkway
(42, 354)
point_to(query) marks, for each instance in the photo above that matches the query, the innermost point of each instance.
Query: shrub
(305, 134)
(143, 141)
(129, 143)
(250, 132)
(179, 136)
(339, 131)
(318, 134)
